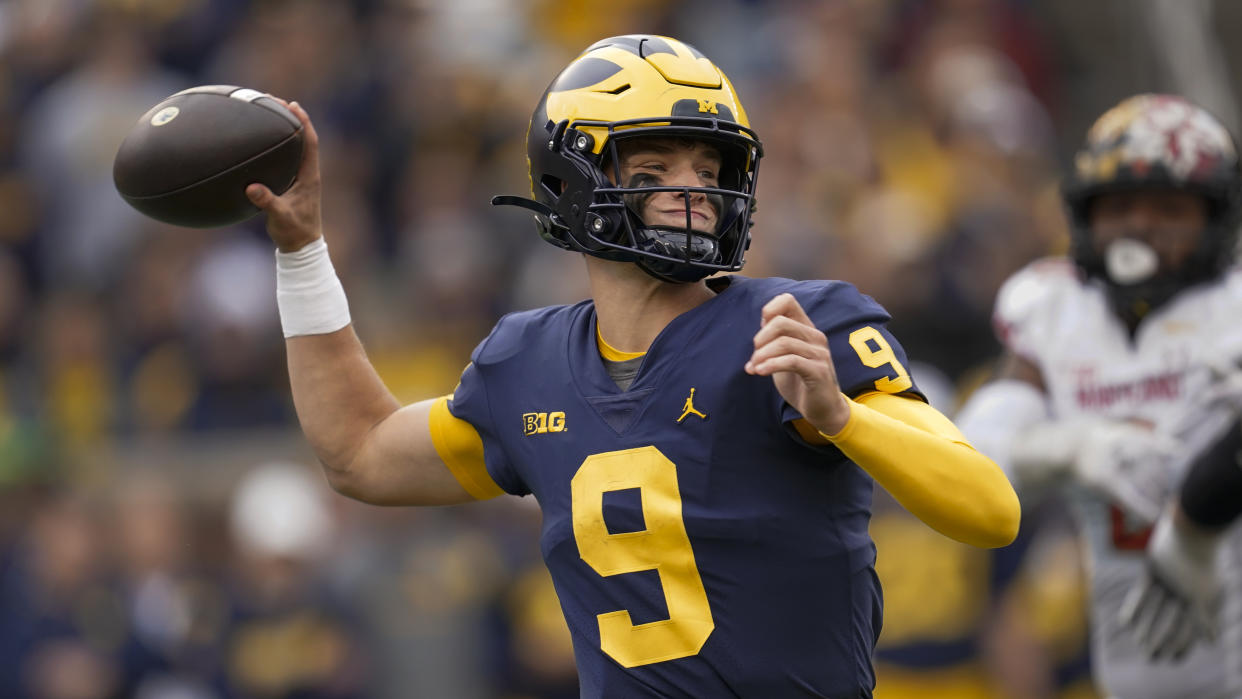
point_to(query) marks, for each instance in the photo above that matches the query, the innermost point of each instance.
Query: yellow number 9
(883, 354)
(663, 546)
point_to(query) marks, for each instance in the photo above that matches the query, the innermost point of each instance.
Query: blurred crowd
(163, 532)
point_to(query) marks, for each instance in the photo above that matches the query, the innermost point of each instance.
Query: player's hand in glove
(1128, 463)
(1175, 604)
(1123, 461)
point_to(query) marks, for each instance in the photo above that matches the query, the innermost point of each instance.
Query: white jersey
(1090, 365)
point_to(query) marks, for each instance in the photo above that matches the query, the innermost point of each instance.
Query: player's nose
(685, 176)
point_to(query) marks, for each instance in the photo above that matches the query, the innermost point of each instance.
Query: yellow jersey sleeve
(461, 449)
(920, 457)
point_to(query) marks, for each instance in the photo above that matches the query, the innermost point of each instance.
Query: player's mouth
(699, 219)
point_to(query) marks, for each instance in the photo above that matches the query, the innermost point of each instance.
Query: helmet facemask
(685, 251)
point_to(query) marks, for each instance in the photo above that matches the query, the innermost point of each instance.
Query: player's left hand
(1174, 605)
(790, 349)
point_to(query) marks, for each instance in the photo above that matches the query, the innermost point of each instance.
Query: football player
(1108, 378)
(702, 449)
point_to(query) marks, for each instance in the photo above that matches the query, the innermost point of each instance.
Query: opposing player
(1108, 376)
(702, 449)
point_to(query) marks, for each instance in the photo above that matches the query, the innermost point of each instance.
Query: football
(189, 158)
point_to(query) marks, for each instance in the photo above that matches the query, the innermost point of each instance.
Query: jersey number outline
(663, 546)
(876, 358)
(1126, 535)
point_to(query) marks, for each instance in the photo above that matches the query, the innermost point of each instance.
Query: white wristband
(308, 293)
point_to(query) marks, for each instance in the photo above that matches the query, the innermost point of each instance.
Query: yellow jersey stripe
(611, 353)
(461, 449)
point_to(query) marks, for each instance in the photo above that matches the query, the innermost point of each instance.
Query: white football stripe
(245, 94)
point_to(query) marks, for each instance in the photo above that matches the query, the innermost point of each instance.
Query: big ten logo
(539, 423)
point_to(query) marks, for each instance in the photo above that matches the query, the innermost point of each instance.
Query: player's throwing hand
(293, 218)
(790, 349)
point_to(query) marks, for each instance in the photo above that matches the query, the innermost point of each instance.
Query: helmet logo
(1149, 130)
(706, 106)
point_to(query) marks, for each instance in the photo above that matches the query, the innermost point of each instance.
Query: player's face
(1170, 221)
(670, 162)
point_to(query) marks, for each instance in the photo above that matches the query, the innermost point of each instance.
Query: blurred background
(164, 532)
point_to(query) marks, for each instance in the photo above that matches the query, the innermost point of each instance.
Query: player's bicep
(399, 463)
(867, 359)
(880, 362)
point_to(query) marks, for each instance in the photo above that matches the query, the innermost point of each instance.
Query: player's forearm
(1211, 495)
(917, 455)
(339, 399)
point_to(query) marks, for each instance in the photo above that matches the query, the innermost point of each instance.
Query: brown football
(189, 158)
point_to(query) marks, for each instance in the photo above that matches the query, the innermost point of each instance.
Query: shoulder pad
(829, 303)
(520, 330)
(1030, 293)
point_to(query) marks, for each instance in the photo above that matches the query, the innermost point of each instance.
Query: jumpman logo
(688, 409)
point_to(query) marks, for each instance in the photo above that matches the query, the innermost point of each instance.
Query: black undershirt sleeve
(1211, 495)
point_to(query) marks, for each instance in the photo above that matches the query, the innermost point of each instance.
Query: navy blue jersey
(698, 546)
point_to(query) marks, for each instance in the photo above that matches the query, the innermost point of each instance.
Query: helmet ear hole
(553, 185)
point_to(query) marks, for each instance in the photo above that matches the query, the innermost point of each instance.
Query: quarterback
(702, 449)
(1114, 357)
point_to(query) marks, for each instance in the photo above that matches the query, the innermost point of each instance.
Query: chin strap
(673, 243)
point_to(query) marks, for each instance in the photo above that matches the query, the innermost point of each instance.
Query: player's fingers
(1135, 600)
(1183, 636)
(809, 370)
(784, 325)
(1145, 611)
(1203, 618)
(1164, 624)
(785, 345)
(309, 170)
(784, 305)
(260, 196)
(1165, 627)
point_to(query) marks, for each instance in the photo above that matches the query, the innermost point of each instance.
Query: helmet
(1157, 141)
(630, 87)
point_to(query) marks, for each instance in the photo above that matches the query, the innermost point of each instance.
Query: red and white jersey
(1091, 365)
